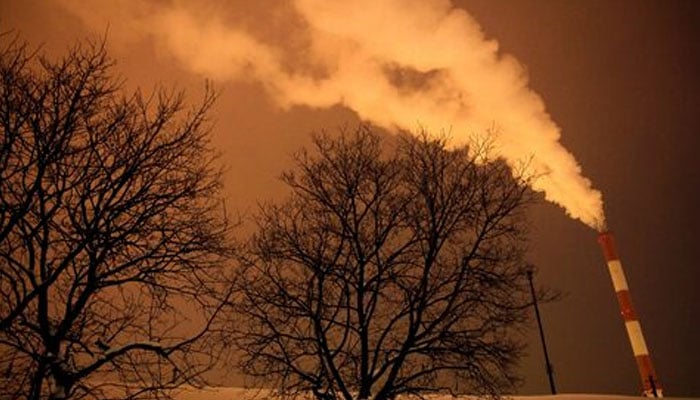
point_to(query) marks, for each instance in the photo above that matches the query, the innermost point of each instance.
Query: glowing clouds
(474, 89)
(398, 64)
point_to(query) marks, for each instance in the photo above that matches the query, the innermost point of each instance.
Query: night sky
(620, 78)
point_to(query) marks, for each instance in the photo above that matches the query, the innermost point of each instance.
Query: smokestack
(650, 383)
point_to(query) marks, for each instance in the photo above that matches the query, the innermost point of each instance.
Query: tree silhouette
(386, 272)
(110, 226)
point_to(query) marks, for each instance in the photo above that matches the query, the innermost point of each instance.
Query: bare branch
(386, 272)
(111, 231)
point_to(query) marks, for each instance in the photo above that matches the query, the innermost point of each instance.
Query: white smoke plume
(396, 63)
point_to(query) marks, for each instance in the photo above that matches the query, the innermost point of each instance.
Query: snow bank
(232, 393)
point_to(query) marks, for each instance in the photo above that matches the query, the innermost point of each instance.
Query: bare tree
(111, 232)
(386, 273)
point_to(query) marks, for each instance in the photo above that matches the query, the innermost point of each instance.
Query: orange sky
(618, 78)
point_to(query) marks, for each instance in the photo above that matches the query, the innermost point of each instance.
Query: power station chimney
(650, 383)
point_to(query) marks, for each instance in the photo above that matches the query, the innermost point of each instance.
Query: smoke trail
(396, 63)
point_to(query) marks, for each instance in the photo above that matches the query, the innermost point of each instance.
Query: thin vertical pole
(548, 365)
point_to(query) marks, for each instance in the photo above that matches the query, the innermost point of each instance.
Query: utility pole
(548, 365)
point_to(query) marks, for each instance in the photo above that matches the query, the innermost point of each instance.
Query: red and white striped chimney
(650, 383)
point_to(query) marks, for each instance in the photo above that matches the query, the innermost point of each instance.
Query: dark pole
(653, 386)
(548, 365)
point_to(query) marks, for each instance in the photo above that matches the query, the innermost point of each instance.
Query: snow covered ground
(231, 393)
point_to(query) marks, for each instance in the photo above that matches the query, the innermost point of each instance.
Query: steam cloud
(396, 63)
